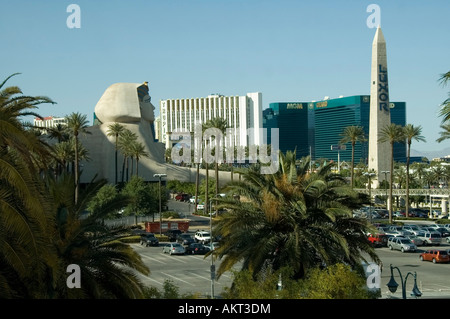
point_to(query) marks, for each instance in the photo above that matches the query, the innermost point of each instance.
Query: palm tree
(23, 236)
(220, 124)
(126, 138)
(108, 266)
(445, 134)
(115, 130)
(445, 108)
(391, 133)
(411, 132)
(138, 151)
(292, 217)
(353, 134)
(77, 123)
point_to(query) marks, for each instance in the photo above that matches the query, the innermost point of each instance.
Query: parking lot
(191, 273)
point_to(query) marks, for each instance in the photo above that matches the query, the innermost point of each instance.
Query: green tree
(444, 112)
(126, 138)
(138, 151)
(353, 134)
(411, 133)
(23, 223)
(391, 133)
(108, 266)
(115, 130)
(77, 124)
(292, 217)
(445, 133)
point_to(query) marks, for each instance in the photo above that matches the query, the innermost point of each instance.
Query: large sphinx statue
(128, 104)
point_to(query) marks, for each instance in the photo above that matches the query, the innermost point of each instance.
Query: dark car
(149, 239)
(172, 234)
(182, 197)
(196, 248)
(185, 239)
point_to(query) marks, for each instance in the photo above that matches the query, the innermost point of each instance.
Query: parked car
(444, 231)
(202, 237)
(172, 234)
(193, 200)
(415, 240)
(200, 206)
(174, 249)
(182, 197)
(378, 240)
(436, 256)
(149, 239)
(196, 249)
(401, 243)
(412, 228)
(430, 238)
(185, 239)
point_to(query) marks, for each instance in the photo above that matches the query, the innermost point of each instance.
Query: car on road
(430, 238)
(174, 249)
(202, 237)
(149, 239)
(196, 249)
(436, 256)
(401, 243)
(185, 239)
(172, 234)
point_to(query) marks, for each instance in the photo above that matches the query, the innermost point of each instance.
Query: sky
(289, 50)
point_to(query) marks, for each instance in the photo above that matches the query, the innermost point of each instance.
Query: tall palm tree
(138, 151)
(391, 133)
(77, 124)
(126, 138)
(353, 134)
(411, 133)
(115, 130)
(221, 124)
(293, 217)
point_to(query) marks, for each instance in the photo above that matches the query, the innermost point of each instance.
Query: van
(401, 243)
(430, 238)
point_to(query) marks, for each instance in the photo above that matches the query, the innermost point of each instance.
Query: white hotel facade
(242, 113)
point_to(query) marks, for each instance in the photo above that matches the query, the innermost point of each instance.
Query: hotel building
(242, 113)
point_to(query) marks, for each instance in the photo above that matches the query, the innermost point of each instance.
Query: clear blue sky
(288, 50)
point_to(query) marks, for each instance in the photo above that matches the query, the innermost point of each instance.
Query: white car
(202, 237)
(200, 206)
(192, 200)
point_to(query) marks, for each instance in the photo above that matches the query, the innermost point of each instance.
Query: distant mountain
(431, 154)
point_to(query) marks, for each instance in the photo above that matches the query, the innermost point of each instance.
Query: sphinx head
(125, 103)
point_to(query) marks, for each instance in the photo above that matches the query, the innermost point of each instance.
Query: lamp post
(160, 217)
(385, 184)
(213, 267)
(392, 284)
(370, 175)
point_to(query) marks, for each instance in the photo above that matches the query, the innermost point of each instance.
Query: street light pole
(392, 284)
(160, 215)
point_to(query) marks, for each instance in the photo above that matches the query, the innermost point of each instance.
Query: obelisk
(380, 115)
